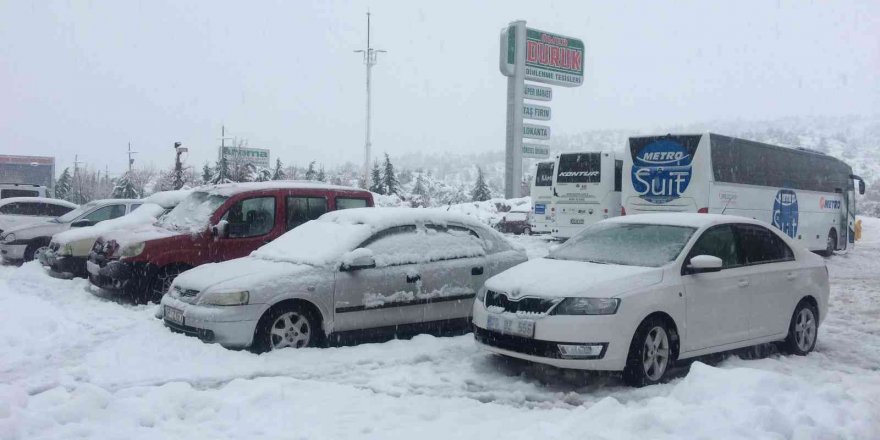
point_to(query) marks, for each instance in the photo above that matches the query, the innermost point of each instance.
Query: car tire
(830, 244)
(527, 231)
(159, 284)
(288, 325)
(802, 330)
(30, 252)
(651, 354)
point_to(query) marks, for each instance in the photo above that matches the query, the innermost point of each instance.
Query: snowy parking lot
(77, 365)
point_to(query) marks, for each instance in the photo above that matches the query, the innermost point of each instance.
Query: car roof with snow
(168, 199)
(229, 189)
(325, 240)
(111, 201)
(691, 219)
(58, 202)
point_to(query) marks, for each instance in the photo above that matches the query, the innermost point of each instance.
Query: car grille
(185, 295)
(522, 305)
(517, 344)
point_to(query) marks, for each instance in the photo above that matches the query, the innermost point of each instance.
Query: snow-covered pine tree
(376, 184)
(321, 176)
(481, 190)
(311, 173)
(124, 189)
(221, 172)
(62, 185)
(278, 174)
(389, 180)
(207, 174)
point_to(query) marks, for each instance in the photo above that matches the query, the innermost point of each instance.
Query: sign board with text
(536, 112)
(535, 151)
(257, 156)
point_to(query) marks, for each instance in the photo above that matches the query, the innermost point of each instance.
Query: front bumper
(229, 326)
(12, 252)
(114, 275)
(64, 264)
(550, 331)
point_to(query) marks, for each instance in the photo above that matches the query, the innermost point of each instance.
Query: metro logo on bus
(785, 212)
(828, 204)
(661, 171)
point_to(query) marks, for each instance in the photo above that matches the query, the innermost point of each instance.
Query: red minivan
(215, 223)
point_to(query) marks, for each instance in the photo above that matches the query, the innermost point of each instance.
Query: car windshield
(72, 215)
(629, 244)
(193, 213)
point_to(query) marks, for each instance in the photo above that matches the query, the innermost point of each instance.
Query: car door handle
(743, 283)
(477, 270)
(790, 276)
(413, 278)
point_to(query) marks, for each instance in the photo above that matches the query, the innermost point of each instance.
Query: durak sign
(534, 55)
(257, 156)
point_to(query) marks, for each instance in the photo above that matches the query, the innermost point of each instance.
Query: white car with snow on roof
(348, 271)
(637, 293)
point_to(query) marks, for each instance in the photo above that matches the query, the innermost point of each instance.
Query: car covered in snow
(21, 243)
(516, 221)
(637, 293)
(20, 211)
(69, 250)
(348, 271)
(214, 223)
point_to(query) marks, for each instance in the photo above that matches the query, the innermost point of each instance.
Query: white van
(8, 190)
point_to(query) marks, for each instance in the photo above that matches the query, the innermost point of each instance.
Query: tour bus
(586, 189)
(808, 195)
(542, 198)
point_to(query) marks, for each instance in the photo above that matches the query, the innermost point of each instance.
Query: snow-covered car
(20, 211)
(637, 293)
(347, 271)
(214, 223)
(21, 243)
(516, 222)
(69, 250)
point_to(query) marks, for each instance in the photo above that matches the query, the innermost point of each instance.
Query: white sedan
(636, 293)
(348, 271)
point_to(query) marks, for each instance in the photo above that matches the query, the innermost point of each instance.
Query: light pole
(370, 58)
(178, 165)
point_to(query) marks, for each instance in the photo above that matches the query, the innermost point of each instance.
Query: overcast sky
(86, 77)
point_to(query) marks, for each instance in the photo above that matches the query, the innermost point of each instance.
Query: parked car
(69, 250)
(637, 293)
(516, 222)
(22, 243)
(20, 211)
(215, 223)
(348, 271)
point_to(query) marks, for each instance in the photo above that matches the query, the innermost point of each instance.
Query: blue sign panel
(539, 208)
(661, 170)
(785, 212)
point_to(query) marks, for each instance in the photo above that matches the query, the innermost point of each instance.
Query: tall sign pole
(533, 55)
(370, 58)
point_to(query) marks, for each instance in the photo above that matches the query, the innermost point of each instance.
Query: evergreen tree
(262, 175)
(376, 185)
(311, 173)
(278, 174)
(321, 176)
(480, 192)
(62, 186)
(124, 189)
(419, 188)
(389, 180)
(221, 174)
(207, 174)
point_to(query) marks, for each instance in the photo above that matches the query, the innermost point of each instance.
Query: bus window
(579, 167)
(618, 170)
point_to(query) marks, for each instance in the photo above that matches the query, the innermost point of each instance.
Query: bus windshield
(544, 174)
(579, 168)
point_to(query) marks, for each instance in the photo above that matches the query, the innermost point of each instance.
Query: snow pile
(168, 199)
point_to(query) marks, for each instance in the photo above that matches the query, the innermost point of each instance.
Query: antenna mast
(370, 58)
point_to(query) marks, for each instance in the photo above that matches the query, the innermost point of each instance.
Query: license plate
(577, 221)
(174, 315)
(509, 326)
(539, 209)
(93, 268)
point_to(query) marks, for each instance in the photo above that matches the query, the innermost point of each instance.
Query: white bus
(808, 195)
(586, 189)
(542, 198)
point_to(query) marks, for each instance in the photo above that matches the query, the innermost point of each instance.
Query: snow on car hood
(144, 216)
(564, 278)
(245, 273)
(9, 222)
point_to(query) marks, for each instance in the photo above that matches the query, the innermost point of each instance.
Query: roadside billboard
(33, 170)
(259, 157)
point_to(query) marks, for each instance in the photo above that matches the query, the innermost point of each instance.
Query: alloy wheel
(805, 329)
(655, 353)
(290, 329)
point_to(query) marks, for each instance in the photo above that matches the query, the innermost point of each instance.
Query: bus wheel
(830, 244)
(527, 231)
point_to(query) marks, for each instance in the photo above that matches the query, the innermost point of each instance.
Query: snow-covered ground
(75, 365)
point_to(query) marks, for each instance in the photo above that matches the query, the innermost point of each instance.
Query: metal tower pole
(370, 58)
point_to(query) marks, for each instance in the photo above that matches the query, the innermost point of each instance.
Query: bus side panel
(695, 194)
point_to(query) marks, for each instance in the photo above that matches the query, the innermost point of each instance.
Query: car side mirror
(221, 229)
(705, 263)
(358, 259)
(861, 187)
(81, 223)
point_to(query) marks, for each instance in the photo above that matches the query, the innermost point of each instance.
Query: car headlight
(133, 250)
(236, 298)
(65, 250)
(587, 306)
(8, 238)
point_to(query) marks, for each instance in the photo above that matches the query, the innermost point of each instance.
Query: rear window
(348, 203)
(544, 174)
(8, 193)
(580, 168)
